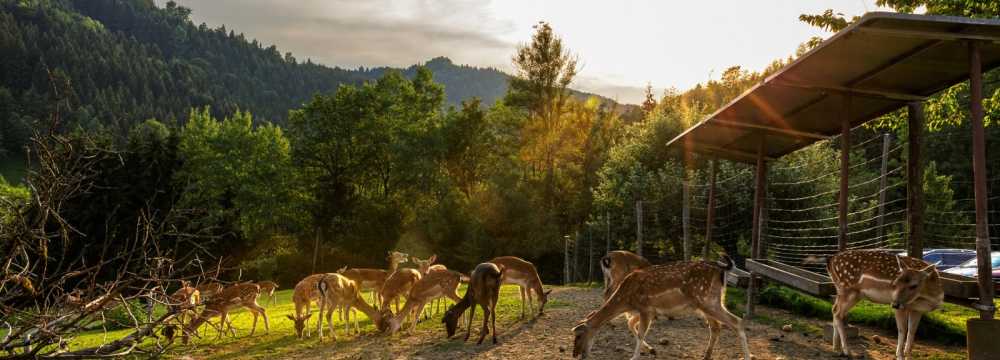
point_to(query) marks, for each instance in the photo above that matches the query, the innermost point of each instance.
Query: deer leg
(493, 317)
(329, 323)
(319, 320)
(640, 336)
(521, 288)
(468, 329)
(633, 326)
(485, 329)
(717, 312)
(714, 329)
(911, 331)
(843, 304)
(419, 311)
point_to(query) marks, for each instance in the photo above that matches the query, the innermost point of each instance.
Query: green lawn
(281, 338)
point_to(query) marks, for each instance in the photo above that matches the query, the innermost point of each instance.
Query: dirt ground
(549, 337)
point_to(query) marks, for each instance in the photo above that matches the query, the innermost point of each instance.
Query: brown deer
(338, 292)
(232, 297)
(428, 265)
(484, 290)
(616, 264)
(672, 289)
(306, 290)
(397, 285)
(208, 290)
(522, 273)
(434, 284)
(910, 285)
(268, 287)
(183, 302)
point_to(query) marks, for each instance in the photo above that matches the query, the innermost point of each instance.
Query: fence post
(566, 259)
(881, 186)
(686, 215)
(710, 209)
(607, 220)
(590, 257)
(638, 227)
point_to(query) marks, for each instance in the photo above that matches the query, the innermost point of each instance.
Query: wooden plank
(936, 35)
(737, 278)
(986, 307)
(915, 180)
(959, 287)
(770, 129)
(870, 93)
(845, 171)
(803, 280)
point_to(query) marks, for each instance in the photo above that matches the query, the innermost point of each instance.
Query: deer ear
(548, 292)
(309, 315)
(292, 318)
(433, 258)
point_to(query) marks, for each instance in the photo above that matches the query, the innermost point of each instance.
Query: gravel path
(549, 337)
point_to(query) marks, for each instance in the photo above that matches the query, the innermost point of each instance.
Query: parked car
(969, 267)
(948, 258)
(945, 258)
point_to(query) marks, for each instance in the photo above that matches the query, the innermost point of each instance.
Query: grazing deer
(268, 287)
(484, 290)
(434, 284)
(911, 285)
(425, 266)
(235, 296)
(366, 279)
(616, 264)
(675, 288)
(523, 274)
(306, 290)
(338, 292)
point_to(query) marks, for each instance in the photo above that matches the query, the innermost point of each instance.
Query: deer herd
(634, 287)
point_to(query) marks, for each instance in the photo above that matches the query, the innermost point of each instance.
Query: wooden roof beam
(852, 91)
(770, 129)
(727, 153)
(937, 35)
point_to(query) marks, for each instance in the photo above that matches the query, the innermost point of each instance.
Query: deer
(268, 287)
(339, 292)
(910, 285)
(434, 284)
(183, 301)
(305, 291)
(523, 274)
(208, 289)
(484, 290)
(616, 264)
(671, 289)
(232, 297)
(397, 285)
(427, 265)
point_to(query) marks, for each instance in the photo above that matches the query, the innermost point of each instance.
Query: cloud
(368, 33)
(621, 93)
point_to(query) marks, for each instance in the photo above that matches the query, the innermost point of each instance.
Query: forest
(286, 167)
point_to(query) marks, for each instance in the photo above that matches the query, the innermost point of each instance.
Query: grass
(281, 340)
(946, 324)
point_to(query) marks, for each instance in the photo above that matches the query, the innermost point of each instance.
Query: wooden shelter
(880, 64)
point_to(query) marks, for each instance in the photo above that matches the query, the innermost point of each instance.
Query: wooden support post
(576, 257)
(915, 179)
(881, 187)
(638, 227)
(710, 208)
(760, 184)
(845, 170)
(607, 238)
(985, 307)
(566, 259)
(686, 214)
(590, 257)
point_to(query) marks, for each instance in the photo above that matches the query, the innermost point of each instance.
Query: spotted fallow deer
(397, 285)
(306, 290)
(338, 292)
(231, 297)
(910, 285)
(616, 264)
(268, 287)
(522, 273)
(671, 289)
(428, 265)
(432, 285)
(484, 290)
(183, 302)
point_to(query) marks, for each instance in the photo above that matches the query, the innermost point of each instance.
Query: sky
(622, 45)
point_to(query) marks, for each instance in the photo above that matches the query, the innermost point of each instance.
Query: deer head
(450, 320)
(424, 265)
(909, 283)
(300, 323)
(542, 299)
(583, 340)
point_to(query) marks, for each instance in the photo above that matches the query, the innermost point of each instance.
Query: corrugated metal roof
(883, 61)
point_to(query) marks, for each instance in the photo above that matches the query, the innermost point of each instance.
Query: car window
(932, 258)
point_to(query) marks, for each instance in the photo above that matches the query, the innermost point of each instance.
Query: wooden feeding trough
(959, 287)
(807, 281)
(737, 278)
